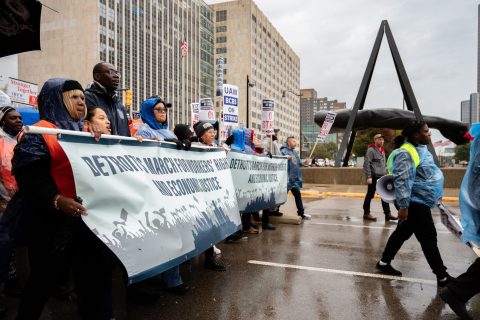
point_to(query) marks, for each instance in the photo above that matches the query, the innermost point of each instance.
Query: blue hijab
(52, 108)
(148, 117)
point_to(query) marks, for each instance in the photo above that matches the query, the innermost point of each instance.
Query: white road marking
(344, 272)
(361, 226)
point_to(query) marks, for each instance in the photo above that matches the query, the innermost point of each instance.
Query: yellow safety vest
(410, 149)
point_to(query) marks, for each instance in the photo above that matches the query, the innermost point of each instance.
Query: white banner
(206, 112)
(326, 126)
(195, 112)
(220, 63)
(268, 116)
(260, 182)
(22, 91)
(230, 105)
(153, 205)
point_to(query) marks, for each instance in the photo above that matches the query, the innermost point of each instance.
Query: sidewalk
(311, 190)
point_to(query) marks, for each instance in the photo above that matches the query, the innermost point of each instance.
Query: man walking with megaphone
(374, 168)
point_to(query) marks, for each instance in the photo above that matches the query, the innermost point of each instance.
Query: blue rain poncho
(294, 172)
(423, 184)
(470, 191)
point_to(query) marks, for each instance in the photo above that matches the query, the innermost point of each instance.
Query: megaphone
(385, 188)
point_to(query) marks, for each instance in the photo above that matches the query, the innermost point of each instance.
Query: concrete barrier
(355, 176)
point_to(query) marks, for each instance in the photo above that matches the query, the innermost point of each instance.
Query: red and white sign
(268, 116)
(206, 112)
(195, 114)
(22, 91)
(326, 126)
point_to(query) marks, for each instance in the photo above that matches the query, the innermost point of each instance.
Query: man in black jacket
(106, 79)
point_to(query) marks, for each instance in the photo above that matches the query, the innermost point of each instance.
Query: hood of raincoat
(238, 140)
(52, 108)
(148, 117)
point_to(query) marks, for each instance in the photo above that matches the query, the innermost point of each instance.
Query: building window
(224, 71)
(254, 19)
(221, 50)
(222, 29)
(221, 39)
(221, 15)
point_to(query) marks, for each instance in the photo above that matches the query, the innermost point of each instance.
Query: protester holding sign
(52, 219)
(294, 174)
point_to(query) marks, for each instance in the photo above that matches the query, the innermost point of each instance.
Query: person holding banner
(205, 133)
(153, 112)
(295, 174)
(97, 117)
(418, 185)
(155, 126)
(52, 219)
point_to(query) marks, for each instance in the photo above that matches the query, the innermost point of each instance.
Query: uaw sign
(22, 91)
(154, 206)
(260, 181)
(206, 112)
(268, 116)
(195, 112)
(230, 105)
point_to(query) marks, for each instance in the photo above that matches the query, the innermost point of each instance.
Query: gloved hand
(180, 144)
(269, 154)
(187, 144)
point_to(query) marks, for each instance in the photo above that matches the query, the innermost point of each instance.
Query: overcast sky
(437, 40)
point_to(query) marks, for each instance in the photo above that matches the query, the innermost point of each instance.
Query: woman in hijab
(52, 217)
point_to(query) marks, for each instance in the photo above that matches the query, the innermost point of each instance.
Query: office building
(144, 39)
(310, 104)
(252, 48)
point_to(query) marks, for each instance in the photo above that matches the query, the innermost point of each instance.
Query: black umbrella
(19, 26)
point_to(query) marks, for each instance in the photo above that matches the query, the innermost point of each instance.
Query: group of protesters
(40, 209)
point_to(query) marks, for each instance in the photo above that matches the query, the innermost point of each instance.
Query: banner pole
(314, 146)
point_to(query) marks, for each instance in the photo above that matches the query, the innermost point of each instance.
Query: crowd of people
(40, 209)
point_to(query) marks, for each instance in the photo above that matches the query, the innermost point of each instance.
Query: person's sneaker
(251, 230)
(276, 213)
(388, 269)
(216, 250)
(178, 290)
(443, 282)
(368, 216)
(237, 236)
(389, 217)
(214, 263)
(268, 226)
(305, 216)
(456, 305)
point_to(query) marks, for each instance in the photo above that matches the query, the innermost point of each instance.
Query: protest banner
(230, 105)
(154, 206)
(324, 130)
(260, 181)
(268, 118)
(206, 112)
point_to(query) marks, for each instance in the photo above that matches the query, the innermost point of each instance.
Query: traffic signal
(128, 98)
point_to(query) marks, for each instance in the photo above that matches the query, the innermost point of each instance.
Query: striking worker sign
(230, 105)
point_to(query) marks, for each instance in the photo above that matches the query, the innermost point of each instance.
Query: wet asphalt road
(321, 269)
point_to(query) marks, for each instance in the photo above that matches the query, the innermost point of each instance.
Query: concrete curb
(322, 195)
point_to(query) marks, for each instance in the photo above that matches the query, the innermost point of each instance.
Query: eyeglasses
(161, 110)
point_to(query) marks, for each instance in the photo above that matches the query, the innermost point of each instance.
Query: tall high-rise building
(478, 50)
(465, 115)
(252, 48)
(310, 104)
(161, 47)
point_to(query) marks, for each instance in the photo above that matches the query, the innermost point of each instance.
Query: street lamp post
(284, 94)
(249, 84)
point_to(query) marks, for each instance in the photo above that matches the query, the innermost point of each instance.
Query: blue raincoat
(238, 140)
(294, 172)
(51, 107)
(470, 191)
(151, 128)
(422, 185)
